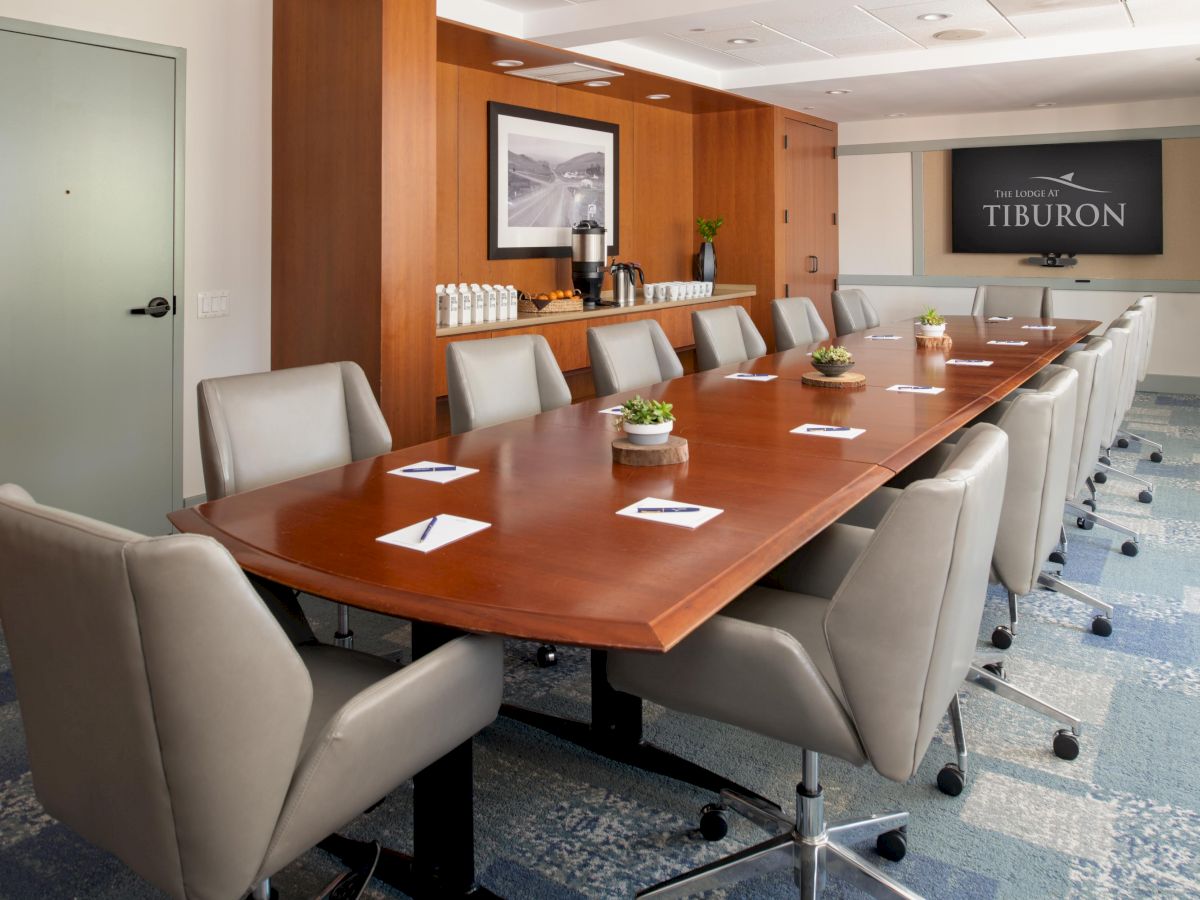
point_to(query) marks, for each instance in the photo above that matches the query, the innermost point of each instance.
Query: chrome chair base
(988, 674)
(344, 636)
(809, 847)
(1131, 438)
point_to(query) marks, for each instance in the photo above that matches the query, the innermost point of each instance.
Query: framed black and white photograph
(546, 172)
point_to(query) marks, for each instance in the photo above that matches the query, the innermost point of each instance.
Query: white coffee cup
(648, 292)
(708, 288)
(674, 291)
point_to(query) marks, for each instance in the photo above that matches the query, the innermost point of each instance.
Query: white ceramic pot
(648, 434)
(932, 330)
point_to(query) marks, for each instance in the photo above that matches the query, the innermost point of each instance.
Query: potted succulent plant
(832, 361)
(932, 323)
(706, 258)
(647, 421)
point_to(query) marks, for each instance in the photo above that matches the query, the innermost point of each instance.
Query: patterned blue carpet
(1122, 820)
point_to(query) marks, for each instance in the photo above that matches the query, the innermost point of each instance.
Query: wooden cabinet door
(810, 204)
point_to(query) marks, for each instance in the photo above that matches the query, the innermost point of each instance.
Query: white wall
(227, 200)
(874, 235)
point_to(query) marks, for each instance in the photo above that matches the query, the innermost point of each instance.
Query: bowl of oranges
(546, 302)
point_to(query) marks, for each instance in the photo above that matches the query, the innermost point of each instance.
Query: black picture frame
(508, 241)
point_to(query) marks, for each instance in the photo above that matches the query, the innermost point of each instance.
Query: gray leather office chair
(1126, 334)
(725, 336)
(797, 323)
(856, 649)
(267, 427)
(631, 355)
(853, 312)
(1013, 300)
(1147, 307)
(170, 721)
(501, 379)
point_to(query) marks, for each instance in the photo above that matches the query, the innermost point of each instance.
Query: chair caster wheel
(714, 822)
(892, 845)
(1155, 456)
(1085, 524)
(950, 780)
(1066, 744)
(1122, 443)
(997, 669)
(1090, 504)
(1102, 626)
(1105, 460)
(1002, 637)
(1058, 558)
(1100, 477)
(1146, 497)
(547, 655)
(1129, 548)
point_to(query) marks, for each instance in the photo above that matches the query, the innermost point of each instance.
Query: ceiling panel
(523, 6)
(791, 52)
(719, 38)
(1150, 13)
(680, 49)
(962, 14)
(1022, 7)
(843, 32)
(1071, 21)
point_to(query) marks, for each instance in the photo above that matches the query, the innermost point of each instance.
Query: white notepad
(446, 530)
(883, 337)
(439, 477)
(1000, 318)
(750, 376)
(683, 520)
(969, 362)
(815, 430)
(1039, 327)
(915, 389)
(1009, 343)
(613, 411)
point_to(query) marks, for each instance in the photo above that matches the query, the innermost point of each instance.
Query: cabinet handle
(814, 265)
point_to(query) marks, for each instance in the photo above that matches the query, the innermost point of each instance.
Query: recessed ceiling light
(959, 34)
(1044, 104)
(933, 17)
(508, 63)
(597, 83)
(697, 29)
(896, 115)
(809, 107)
(658, 96)
(740, 41)
(837, 92)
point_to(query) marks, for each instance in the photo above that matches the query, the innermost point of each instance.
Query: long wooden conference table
(558, 565)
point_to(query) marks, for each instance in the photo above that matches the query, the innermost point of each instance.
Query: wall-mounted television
(1103, 197)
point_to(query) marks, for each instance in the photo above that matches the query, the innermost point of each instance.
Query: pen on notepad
(963, 362)
(829, 428)
(428, 528)
(668, 509)
(747, 375)
(432, 469)
(913, 387)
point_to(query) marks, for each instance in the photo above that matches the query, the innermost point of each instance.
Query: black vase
(706, 262)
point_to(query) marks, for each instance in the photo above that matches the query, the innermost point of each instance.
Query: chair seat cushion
(820, 566)
(337, 675)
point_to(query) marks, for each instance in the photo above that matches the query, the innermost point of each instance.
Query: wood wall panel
(446, 253)
(409, 193)
(664, 237)
(325, 179)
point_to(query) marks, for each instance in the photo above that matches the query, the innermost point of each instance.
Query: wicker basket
(530, 306)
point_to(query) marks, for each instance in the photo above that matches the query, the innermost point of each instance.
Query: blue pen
(432, 469)
(913, 387)
(668, 509)
(746, 375)
(428, 528)
(829, 428)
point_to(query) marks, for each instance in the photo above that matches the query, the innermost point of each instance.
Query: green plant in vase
(647, 421)
(706, 258)
(832, 361)
(932, 323)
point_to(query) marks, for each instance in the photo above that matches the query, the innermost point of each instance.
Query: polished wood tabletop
(557, 563)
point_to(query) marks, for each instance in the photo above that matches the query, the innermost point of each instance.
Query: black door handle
(158, 307)
(814, 265)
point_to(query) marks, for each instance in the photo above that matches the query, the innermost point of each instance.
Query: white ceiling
(1064, 52)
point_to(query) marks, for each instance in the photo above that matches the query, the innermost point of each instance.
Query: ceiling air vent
(566, 73)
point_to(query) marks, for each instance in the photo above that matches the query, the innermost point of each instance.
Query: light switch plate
(212, 304)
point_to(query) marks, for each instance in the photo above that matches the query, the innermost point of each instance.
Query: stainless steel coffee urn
(588, 254)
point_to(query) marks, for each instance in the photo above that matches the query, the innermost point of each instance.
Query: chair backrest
(725, 336)
(1120, 333)
(1013, 300)
(164, 708)
(1149, 305)
(1041, 429)
(268, 427)
(631, 355)
(1092, 363)
(797, 323)
(501, 379)
(903, 626)
(852, 312)
(1133, 354)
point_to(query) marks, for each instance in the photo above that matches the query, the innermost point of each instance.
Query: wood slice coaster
(675, 450)
(843, 381)
(934, 343)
